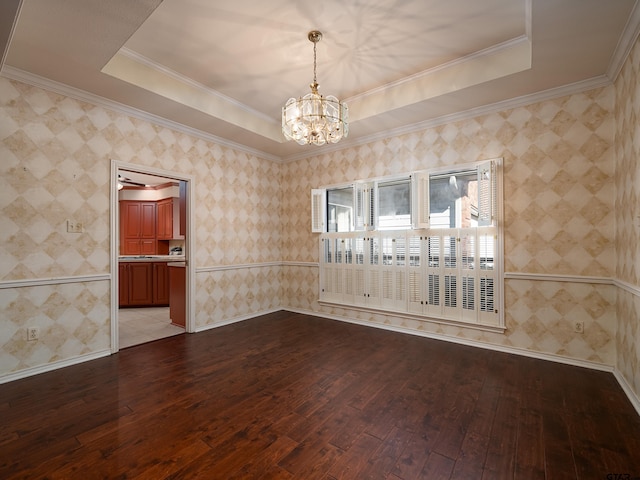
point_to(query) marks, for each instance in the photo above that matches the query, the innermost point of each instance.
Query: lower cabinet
(160, 283)
(143, 284)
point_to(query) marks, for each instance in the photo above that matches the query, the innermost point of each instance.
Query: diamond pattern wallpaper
(570, 169)
(55, 165)
(558, 217)
(627, 209)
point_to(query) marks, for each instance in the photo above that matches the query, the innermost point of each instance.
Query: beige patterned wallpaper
(55, 165)
(627, 209)
(558, 217)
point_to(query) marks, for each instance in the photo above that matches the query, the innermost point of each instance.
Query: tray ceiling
(226, 68)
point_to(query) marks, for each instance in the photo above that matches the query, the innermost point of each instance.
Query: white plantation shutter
(318, 210)
(435, 274)
(374, 287)
(349, 270)
(371, 207)
(450, 268)
(415, 290)
(420, 207)
(454, 274)
(358, 206)
(363, 199)
(487, 193)
(468, 274)
(393, 270)
(359, 270)
(487, 277)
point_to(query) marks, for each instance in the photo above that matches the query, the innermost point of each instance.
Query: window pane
(340, 210)
(394, 204)
(453, 200)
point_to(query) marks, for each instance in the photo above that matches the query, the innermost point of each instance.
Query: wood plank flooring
(289, 396)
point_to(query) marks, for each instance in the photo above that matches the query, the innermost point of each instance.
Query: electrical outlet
(578, 327)
(33, 333)
(74, 227)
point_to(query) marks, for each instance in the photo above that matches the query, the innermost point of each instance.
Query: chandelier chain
(315, 80)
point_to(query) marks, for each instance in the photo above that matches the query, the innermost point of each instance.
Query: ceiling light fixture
(314, 119)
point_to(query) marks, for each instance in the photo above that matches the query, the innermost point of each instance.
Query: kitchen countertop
(151, 258)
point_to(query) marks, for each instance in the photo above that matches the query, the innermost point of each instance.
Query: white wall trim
(28, 372)
(627, 287)
(625, 43)
(547, 277)
(463, 341)
(77, 94)
(62, 89)
(241, 318)
(523, 101)
(301, 264)
(238, 266)
(38, 282)
(631, 395)
(415, 316)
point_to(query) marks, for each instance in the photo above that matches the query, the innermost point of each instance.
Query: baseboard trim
(230, 321)
(39, 282)
(465, 341)
(631, 395)
(29, 372)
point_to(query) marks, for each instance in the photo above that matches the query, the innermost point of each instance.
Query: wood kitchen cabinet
(123, 285)
(138, 228)
(178, 302)
(143, 284)
(160, 284)
(164, 224)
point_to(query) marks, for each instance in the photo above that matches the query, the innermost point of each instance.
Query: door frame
(190, 243)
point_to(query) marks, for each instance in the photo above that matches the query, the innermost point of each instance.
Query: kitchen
(151, 257)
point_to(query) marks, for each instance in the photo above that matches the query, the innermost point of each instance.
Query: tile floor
(141, 325)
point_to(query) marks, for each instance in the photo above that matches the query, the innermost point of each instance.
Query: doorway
(152, 241)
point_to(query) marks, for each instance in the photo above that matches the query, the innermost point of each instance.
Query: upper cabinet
(165, 219)
(137, 228)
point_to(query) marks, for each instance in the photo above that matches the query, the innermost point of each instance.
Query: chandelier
(314, 119)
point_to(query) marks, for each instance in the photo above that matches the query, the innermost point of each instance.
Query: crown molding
(550, 94)
(84, 96)
(625, 43)
(56, 87)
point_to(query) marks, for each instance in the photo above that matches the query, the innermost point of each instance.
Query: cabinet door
(178, 303)
(123, 284)
(131, 246)
(160, 283)
(130, 214)
(148, 220)
(148, 247)
(165, 219)
(140, 283)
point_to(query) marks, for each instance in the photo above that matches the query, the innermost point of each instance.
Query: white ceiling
(226, 68)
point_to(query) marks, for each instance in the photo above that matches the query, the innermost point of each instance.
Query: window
(340, 210)
(453, 200)
(394, 204)
(428, 245)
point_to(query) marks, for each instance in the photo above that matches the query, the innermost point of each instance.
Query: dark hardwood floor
(288, 396)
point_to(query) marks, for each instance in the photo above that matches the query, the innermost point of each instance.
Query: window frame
(378, 277)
